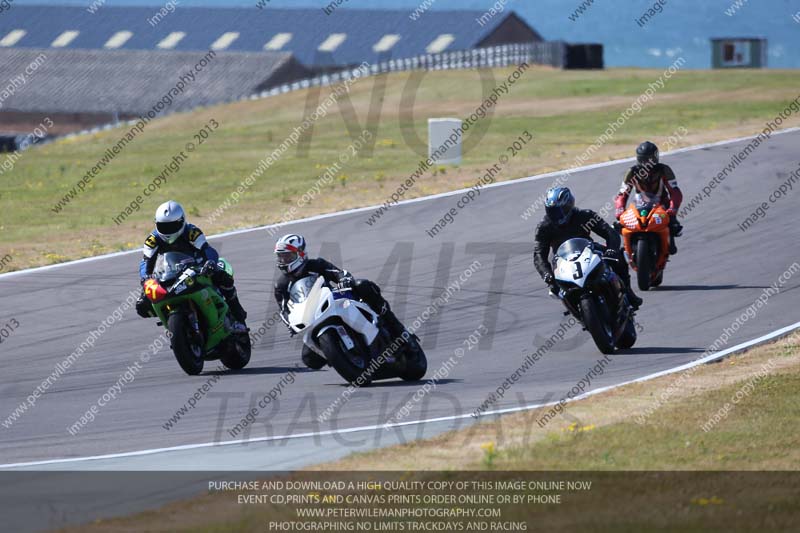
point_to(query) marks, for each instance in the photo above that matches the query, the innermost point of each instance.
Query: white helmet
(170, 221)
(291, 252)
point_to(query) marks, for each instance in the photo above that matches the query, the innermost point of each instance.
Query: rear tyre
(628, 337)
(595, 319)
(339, 359)
(188, 352)
(238, 355)
(416, 362)
(644, 264)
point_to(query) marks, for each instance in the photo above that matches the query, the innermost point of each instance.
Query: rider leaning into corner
(563, 221)
(173, 234)
(655, 183)
(294, 264)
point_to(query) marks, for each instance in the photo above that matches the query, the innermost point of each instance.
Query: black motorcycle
(594, 294)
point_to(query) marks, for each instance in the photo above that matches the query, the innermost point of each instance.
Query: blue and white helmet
(559, 205)
(291, 253)
(170, 221)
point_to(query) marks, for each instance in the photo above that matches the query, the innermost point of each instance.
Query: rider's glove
(618, 212)
(612, 254)
(209, 267)
(285, 319)
(551, 282)
(345, 283)
(672, 213)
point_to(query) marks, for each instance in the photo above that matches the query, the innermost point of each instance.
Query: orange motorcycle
(645, 232)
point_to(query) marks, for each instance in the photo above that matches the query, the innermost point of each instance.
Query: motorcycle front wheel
(645, 264)
(595, 318)
(628, 337)
(340, 360)
(187, 352)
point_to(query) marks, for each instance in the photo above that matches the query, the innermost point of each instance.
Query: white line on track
(703, 360)
(410, 201)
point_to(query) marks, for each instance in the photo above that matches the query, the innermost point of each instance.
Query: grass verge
(564, 111)
(604, 433)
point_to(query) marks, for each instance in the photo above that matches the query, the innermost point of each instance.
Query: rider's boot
(393, 324)
(675, 230)
(237, 312)
(625, 276)
(634, 300)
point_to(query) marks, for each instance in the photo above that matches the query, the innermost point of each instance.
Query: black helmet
(647, 154)
(559, 205)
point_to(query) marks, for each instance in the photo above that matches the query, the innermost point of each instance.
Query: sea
(673, 28)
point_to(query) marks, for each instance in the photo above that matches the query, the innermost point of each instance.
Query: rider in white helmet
(173, 234)
(294, 264)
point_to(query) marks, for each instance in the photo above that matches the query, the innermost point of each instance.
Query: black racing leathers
(581, 224)
(363, 289)
(320, 266)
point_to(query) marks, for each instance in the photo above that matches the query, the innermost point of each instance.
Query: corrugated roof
(362, 29)
(132, 81)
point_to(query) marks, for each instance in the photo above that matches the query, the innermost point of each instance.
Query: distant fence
(556, 54)
(551, 53)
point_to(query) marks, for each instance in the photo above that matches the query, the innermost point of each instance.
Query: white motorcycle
(348, 334)
(594, 294)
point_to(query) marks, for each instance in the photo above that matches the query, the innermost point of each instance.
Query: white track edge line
(697, 362)
(403, 202)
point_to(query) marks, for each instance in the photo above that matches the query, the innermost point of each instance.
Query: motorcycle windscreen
(576, 269)
(301, 288)
(647, 200)
(170, 264)
(572, 248)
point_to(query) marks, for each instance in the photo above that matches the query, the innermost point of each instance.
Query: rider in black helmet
(563, 221)
(654, 182)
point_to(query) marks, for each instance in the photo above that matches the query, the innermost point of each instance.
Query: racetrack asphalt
(718, 272)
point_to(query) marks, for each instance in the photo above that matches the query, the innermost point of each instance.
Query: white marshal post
(444, 140)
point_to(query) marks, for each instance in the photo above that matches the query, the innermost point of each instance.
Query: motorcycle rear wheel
(337, 356)
(238, 355)
(595, 320)
(188, 353)
(416, 362)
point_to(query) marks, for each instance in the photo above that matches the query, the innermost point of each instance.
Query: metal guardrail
(552, 53)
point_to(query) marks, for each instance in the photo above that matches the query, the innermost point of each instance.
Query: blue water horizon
(683, 28)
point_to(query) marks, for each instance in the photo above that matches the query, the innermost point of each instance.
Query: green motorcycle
(195, 313)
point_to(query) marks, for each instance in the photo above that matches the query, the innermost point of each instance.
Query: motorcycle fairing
(577, 269)
(321, 305)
